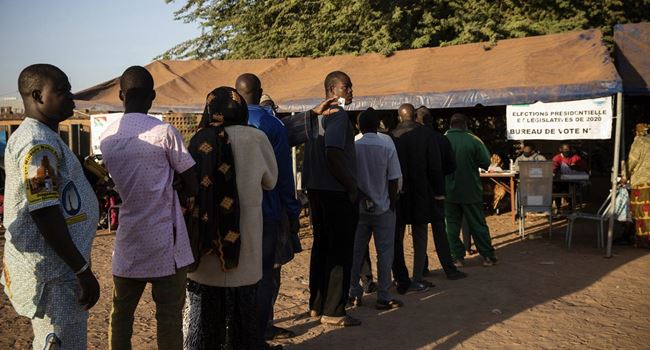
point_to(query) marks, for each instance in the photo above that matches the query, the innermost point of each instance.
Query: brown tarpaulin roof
(633, 56)
(565, 66)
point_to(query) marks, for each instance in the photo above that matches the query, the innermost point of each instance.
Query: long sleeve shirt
(283, 196)
(560, 162)
(464, 185)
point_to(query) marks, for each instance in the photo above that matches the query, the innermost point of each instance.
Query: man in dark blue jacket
(277, 203)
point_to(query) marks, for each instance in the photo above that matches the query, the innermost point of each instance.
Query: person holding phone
(329, 174)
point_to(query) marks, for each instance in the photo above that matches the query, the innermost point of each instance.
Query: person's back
(374, 156)
(282, 196)
(419, 158)
(378, 172)
(464, 185)
(142, 153)
(255, 171)
(465, 193)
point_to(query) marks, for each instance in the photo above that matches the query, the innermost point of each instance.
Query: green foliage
(234, 29)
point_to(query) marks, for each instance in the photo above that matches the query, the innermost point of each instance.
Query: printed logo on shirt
(70, 199)
(71, 203)
(40, 174)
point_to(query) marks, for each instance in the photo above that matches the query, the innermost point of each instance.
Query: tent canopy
(633, 56)
(567, 66)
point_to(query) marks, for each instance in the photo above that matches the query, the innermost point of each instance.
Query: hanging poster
(570, 120)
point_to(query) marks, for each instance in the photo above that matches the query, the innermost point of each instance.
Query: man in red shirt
(567, 162)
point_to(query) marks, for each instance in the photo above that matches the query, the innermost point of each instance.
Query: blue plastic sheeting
(633, 57)
(473, 98)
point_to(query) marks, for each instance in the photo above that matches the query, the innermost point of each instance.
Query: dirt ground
(540, 296)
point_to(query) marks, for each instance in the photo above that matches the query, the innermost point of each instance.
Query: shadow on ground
(531, 272)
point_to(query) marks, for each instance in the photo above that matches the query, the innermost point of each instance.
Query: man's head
(136, 89)
(45, 91)
(338, 84)
(423, 116)
(250, 87)
(368, 121)
(566, 149)
(458, 121)
(406, 112)
(529, 150)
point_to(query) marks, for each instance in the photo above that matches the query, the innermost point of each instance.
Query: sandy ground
(540, 296)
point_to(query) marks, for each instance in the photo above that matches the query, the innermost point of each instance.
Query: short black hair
(35, 76)
(136, 83)
(458, 120)
(334, 77)
(423, 113)
(248, 83)
(368, 120)
(531, 145)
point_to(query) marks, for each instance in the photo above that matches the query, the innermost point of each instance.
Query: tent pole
(615, 171)
(294, 163)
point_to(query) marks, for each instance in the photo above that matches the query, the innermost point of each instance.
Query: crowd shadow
(531, 272)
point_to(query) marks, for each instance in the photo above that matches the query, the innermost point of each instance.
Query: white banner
(99, 122)
(570, 120)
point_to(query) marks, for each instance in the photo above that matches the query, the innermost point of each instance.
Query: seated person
(495, 164)
(567, 162)
(528, 154)
(498, 191)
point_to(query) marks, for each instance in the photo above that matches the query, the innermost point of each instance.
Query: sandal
(388, 304)
(343, 321)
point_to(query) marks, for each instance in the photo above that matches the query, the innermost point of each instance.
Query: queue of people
(210, 225)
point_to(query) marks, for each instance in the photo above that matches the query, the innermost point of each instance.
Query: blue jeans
(382, 228)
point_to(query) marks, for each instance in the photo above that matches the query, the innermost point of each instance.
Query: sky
(90, 40)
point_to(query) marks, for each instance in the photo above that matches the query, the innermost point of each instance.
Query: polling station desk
(574, 181)
(507, 180)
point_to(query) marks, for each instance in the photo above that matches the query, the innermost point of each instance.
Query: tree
(266, 29)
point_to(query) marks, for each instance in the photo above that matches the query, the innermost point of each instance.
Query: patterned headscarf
(217, 210)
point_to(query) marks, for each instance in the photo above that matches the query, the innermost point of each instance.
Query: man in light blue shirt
(378, 173)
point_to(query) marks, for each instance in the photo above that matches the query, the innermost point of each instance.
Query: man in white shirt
(378, 173)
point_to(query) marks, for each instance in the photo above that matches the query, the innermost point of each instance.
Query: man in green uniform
(465, 192)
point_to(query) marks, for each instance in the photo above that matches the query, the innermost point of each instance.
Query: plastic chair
(601, 216)
(535, 192)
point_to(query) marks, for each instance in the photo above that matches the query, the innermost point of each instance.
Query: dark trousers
(221, 318)
(366, 270)
(169, 295)
(400, 272)
(440, 238)
(266, 288)
(277, 279)
(334, 220)
(473, 213)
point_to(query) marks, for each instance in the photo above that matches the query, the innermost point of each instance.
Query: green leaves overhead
(291, 28)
